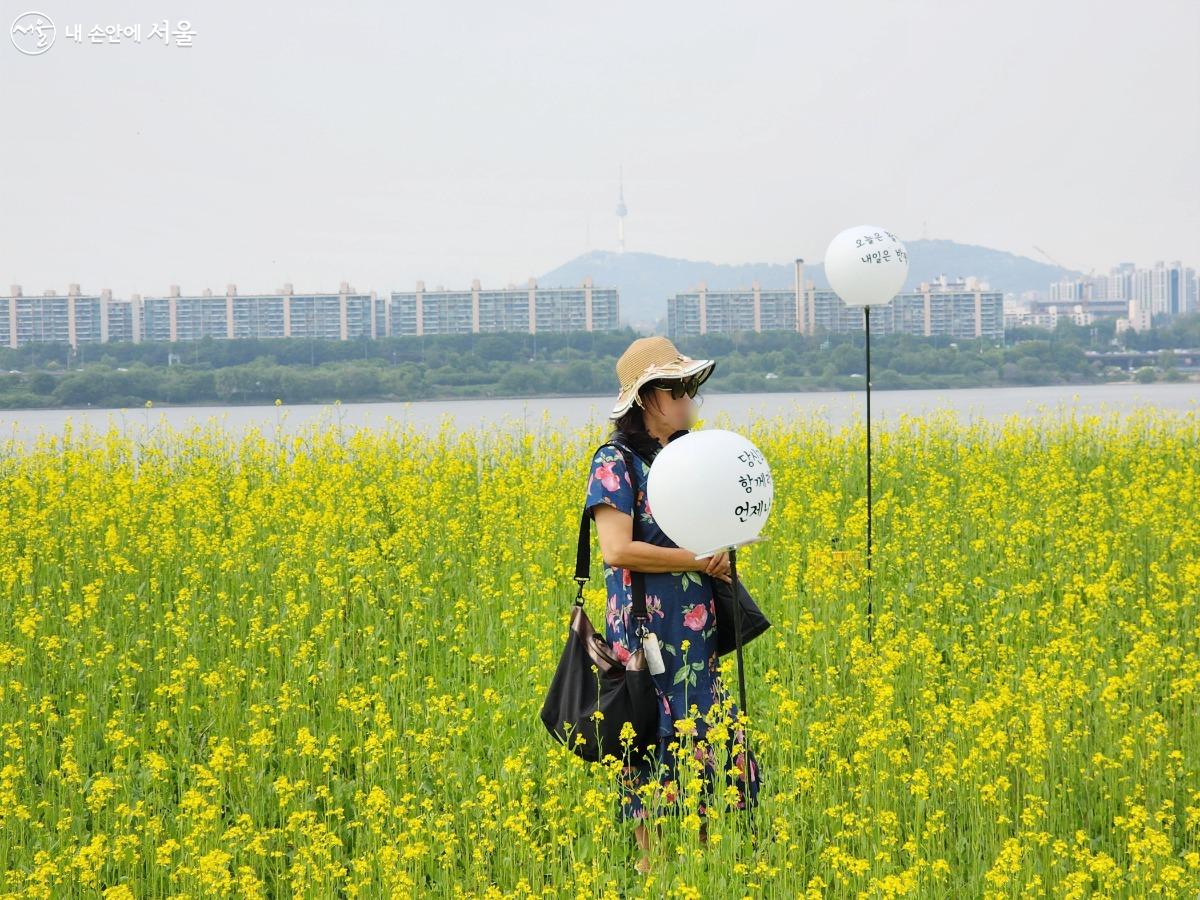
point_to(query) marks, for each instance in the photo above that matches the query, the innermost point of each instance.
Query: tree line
(300, 370)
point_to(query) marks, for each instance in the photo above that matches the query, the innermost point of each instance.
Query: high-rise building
(346, 315)
(963, 309)
(1074, 290)
(74, 318)
(1165, 289)
(1118, 284)
(82, 318)
(702, 311)
(1140, 318)
(529, 309)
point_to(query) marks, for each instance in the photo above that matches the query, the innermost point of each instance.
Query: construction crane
(1090, 278)
(1091, 272)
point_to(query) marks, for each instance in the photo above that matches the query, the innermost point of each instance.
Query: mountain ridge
(646, 280)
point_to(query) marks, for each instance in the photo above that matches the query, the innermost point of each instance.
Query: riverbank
(850, 384)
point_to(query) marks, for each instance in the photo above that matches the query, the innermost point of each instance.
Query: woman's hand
(717, 565)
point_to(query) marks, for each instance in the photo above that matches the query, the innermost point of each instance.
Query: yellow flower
(246, 663)
(685, 725)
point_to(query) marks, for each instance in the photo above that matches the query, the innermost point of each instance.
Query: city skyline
(1126, 280)
(966, 307)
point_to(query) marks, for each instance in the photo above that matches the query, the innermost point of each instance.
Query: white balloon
(866, 265)
(710, 490)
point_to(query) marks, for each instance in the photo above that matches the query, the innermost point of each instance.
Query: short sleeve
(608, 481)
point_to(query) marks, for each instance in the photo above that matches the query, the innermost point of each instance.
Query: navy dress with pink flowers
(681, 608)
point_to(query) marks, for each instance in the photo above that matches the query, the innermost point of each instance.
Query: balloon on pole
(866, 266)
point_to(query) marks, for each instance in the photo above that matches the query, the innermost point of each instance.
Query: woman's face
(677, 412)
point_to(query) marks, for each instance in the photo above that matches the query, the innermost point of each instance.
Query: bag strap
(583, 552)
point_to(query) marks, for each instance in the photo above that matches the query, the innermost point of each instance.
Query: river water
(535, 414)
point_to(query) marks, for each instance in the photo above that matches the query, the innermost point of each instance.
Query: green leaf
(684, 672)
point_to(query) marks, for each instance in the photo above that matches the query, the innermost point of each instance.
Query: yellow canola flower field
(311, 665)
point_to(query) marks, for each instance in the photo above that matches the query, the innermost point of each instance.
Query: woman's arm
(618, 548)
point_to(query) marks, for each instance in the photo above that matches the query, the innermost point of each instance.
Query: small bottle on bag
(653, 654)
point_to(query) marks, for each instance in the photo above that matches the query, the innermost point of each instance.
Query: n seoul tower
(622, 212)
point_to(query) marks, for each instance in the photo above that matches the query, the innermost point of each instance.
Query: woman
(655, 405)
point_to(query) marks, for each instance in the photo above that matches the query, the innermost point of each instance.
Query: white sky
(387, 142)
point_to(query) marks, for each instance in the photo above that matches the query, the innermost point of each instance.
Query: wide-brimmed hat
(650, 358)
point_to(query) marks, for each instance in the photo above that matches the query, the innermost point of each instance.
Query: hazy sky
(381, 142)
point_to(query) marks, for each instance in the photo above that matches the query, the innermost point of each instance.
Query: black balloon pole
(867, 323)
(737, 627)
(862, 276)
(737, 630)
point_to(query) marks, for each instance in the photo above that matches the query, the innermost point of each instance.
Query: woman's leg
(643, 838)
(651, 770)
(633, 778)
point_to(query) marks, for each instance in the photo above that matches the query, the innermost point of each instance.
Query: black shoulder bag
(621, 692)
(754, 622)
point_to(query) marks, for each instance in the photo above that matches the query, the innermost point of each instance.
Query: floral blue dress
(681, 608)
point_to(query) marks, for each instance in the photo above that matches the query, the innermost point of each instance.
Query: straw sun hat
(650, 358)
